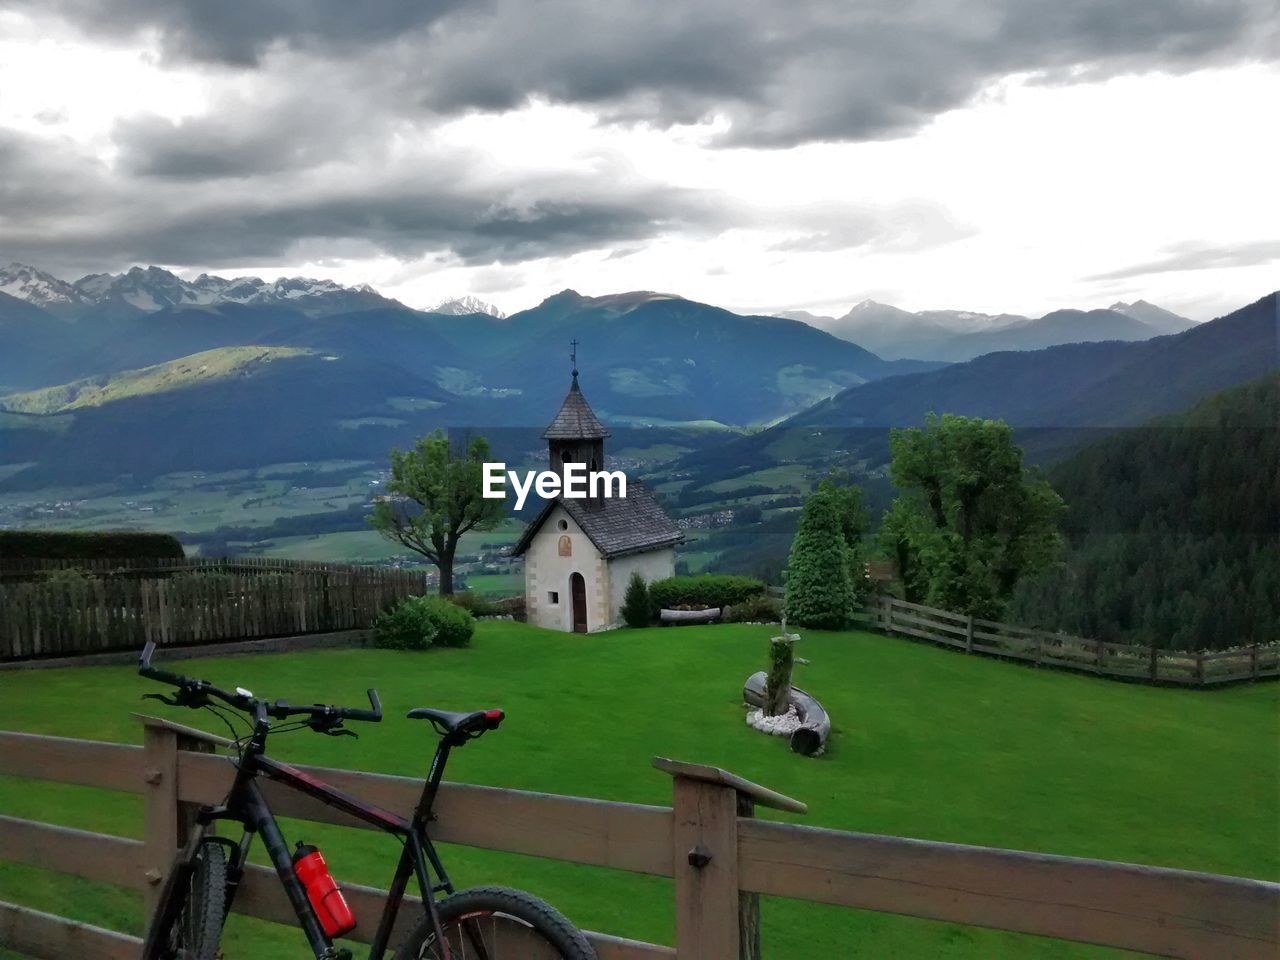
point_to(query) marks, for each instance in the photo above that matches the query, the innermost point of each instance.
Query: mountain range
(148, 289)
(1058, 398)
(143, 373)
(957, 335)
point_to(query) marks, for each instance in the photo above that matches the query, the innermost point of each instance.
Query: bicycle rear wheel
(198, 895)
(497, 923)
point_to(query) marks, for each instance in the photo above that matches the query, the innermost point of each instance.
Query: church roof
(618, 526)
(576, 420)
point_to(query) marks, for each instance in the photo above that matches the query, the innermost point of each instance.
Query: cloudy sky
(996, 155)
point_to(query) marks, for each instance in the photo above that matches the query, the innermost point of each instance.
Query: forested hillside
(1173, 530)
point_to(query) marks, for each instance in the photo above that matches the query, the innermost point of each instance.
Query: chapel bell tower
(575, 435)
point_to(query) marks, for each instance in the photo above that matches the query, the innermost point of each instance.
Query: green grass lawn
(926, 743)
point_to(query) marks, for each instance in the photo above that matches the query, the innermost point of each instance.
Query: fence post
(715, 919)
(167, 819)
(1200, 667)
(160, 801)
(968, 634)
(1253, 661)
(1155, 663)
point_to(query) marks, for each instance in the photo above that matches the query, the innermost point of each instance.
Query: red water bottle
(322, 890)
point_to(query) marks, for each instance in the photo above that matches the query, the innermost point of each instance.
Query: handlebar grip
(164, 676)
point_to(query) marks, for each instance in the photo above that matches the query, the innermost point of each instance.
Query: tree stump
(777, 691)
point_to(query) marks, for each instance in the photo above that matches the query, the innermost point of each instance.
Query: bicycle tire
(493, 912)
(196, 930)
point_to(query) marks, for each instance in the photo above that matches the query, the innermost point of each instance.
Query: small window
(553, 598)
(563, 524)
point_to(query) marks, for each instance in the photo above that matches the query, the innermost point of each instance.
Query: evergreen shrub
(419, 623)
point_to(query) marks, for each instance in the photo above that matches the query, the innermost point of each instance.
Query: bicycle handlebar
(194, 693)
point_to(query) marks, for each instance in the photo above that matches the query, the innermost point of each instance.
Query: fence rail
(120, 605)
(1128, 661)
(1162, 912)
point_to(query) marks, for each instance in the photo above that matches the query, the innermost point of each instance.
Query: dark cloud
(781, 73)
(88, 215)
(241, 32)
(1198, 256)
(320, 131)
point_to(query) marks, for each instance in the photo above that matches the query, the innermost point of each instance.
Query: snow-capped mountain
(1165, 321)
(462, 306)
(36, 286)
(148, 289)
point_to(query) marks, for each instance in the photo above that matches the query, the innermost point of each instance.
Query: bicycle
(487, 923)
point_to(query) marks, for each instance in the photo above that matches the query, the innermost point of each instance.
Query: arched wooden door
(578, 593)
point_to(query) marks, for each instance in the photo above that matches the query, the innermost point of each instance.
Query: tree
(433, 498)
(851, 508)
(819, 580)
(971, 520)
(636, 610)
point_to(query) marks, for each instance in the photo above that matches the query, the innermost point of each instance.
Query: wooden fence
(122, 605)
(1162, 912)
(1129, 661)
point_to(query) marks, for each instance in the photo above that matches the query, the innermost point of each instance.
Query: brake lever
(331, 728)
(171, 701)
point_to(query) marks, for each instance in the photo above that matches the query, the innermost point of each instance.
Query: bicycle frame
(246, 804)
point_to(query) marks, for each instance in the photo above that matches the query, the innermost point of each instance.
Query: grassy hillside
(211, 366)
(926, 743)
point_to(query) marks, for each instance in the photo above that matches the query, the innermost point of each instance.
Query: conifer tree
(819, 582)
(635, 603)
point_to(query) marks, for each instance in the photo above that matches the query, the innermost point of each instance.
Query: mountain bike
(485, 923)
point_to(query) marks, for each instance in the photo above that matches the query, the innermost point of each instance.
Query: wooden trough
(811, 735)
(666, 616)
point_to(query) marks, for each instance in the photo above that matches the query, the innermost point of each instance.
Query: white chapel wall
(547, 571)
(652, 565)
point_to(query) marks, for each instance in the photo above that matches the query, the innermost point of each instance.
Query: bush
(705, 590)
(513, 607)
(418, 623)
(88, 545)
(636, 607)
(758, 609)
(474, 604)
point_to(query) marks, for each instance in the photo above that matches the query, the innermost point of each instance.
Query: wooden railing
(120, 605)
(1129, 661)
(721, 858)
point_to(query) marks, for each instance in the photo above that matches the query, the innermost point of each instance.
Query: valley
(256, 419)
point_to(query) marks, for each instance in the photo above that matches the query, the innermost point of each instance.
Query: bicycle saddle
(463, 724)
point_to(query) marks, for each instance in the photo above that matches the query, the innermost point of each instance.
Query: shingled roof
(575, 421)
(617, 526)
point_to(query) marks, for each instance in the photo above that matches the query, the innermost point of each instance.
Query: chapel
(579, 554)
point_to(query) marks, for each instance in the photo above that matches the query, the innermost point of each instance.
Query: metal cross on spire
(573, 357)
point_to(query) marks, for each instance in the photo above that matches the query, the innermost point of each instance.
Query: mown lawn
(927, 743)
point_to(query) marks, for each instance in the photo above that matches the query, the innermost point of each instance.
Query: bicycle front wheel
(196, 904)
(496, 923)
